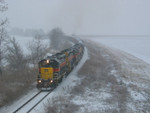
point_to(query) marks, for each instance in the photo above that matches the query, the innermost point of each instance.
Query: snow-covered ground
(123, 87)
(137, 46)
(122, 82)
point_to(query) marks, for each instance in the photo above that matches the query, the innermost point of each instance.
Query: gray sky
(103, 17)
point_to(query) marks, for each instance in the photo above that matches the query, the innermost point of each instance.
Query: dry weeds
(96, 74)
(15, 84)
(61, 105)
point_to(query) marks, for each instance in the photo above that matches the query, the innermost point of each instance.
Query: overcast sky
(103, 17)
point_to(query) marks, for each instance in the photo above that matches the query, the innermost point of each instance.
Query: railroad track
(29, 105)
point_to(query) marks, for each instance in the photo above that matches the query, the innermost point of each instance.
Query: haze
(99, 17)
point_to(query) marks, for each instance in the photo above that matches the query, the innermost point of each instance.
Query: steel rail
(39, 101)
(27, 102)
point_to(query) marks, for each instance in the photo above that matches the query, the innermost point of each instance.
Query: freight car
(55, 67)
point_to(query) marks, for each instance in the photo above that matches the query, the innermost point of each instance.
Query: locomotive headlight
(51, 81)
(39, 81)
(47, 61)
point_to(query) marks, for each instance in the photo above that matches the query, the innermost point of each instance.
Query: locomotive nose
(46, 73)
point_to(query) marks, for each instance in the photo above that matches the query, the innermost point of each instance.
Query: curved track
(35, 100)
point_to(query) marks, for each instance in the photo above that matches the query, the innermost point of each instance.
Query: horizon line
(112, 35)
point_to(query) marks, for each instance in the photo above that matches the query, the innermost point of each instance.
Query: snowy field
(24, 42)
(137, 46)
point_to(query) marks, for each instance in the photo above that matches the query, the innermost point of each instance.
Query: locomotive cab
(47, 72)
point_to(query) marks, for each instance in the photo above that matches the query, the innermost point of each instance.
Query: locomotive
(55, 67)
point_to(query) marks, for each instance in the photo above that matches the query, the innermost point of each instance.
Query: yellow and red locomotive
(55, 67)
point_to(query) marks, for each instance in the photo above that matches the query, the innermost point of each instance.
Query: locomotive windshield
(48, 63)
(45, 63)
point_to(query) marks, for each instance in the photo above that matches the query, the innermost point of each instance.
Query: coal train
(54, 68)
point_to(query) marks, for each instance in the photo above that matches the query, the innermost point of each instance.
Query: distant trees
(58, 40)
(27, 32)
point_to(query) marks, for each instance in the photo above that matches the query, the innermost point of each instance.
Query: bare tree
(37, 49)
(56, 38)
(60, 41)
(3, 6)
(15, 57)
(3, 33)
